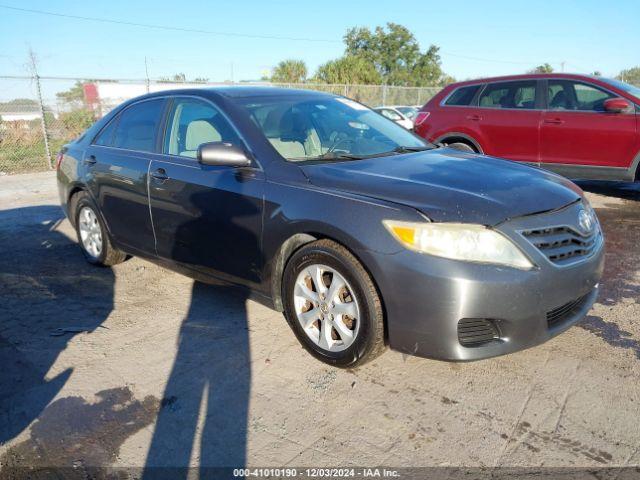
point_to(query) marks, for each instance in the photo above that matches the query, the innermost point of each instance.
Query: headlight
(591, 212)
(459, 241)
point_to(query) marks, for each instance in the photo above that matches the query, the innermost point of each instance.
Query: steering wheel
(337, 143)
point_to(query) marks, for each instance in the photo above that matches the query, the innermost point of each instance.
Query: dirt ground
(137, 365)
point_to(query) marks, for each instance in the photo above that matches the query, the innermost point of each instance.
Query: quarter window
(137, 126)
(509, 95)
(462, 96)
(105, 137)
(193, 122)
(569, 95)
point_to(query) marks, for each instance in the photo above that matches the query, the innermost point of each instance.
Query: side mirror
(616, 105)
(222, 153)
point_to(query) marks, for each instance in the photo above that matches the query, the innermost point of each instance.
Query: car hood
(450, 186)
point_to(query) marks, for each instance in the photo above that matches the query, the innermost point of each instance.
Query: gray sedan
(359, 231)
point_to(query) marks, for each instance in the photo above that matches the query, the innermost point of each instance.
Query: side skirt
(591, 172)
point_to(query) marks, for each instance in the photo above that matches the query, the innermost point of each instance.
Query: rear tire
(332, 305)
(463, 147)
(92, 235)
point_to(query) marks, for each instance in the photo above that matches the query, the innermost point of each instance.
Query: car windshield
(328, 128)
(408, 112)
(630, 89)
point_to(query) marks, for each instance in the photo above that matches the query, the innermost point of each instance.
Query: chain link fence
(40, 114)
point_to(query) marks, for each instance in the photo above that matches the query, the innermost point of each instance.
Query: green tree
(18, 102)
(544, 68)
(289, 71)
(348, 69)
(178, 77)
(74, 96)
(631, 75)
(395, 54)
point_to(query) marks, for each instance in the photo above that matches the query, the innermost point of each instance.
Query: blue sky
(512, 36)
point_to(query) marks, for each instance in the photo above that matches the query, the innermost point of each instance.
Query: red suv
(577, 125)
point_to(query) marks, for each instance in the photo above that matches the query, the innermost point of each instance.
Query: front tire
(92, 234)
(332, 305)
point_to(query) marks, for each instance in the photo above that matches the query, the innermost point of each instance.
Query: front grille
(562, 245)
(473, 332)
(559, 314)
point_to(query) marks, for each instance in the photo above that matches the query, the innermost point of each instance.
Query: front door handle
(553, 121)
(160, 175)
(90, 160)
(475, 118)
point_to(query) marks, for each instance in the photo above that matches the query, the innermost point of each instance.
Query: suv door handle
(160, 175)
(553, 121)
(90, 160)
(475, 118)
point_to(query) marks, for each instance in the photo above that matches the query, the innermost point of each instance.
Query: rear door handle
(160, 175)
(90, 160)
(553, 121)
(475, 118)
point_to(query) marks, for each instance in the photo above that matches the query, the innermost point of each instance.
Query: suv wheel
(462, 147)
(92, 235)
(332, 305)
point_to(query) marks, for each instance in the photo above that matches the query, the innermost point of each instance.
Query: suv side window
(570, 95)
(137, 126)
(462, 96)
(521, 94)
(193, 122)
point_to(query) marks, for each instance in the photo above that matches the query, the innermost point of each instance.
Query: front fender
(351, 220)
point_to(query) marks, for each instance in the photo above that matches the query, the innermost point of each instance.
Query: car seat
(199, 132)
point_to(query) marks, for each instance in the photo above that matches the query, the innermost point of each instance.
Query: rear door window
(138, 125)
(512, 95)
(462, 96)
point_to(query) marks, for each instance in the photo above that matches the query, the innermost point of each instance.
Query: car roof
(233, 91)
(526, 76)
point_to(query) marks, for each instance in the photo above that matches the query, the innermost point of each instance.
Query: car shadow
(207, 393)
(623, 190)
(50, 294)
(621, 226)
(206, 397)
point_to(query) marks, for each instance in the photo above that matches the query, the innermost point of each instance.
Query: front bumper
(425, 297)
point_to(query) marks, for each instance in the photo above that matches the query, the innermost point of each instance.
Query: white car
(401, 114)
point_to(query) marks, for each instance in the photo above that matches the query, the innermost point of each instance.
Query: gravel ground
(139, 365)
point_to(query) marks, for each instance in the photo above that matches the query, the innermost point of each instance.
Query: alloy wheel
(90, 232)
(326, 307)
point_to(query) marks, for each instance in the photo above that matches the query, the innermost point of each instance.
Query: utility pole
(146, 72)
(33, 67)
(562, 66)
(231, 72)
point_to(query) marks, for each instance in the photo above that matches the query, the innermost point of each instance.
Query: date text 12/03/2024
(317, 472)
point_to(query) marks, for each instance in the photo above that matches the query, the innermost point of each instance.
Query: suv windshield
(328, 128)
(630, 89)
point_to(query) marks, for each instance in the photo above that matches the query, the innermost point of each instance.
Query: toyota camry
(362, 233)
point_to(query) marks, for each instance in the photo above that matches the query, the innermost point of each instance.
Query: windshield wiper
(407, 149)
(339, 156)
